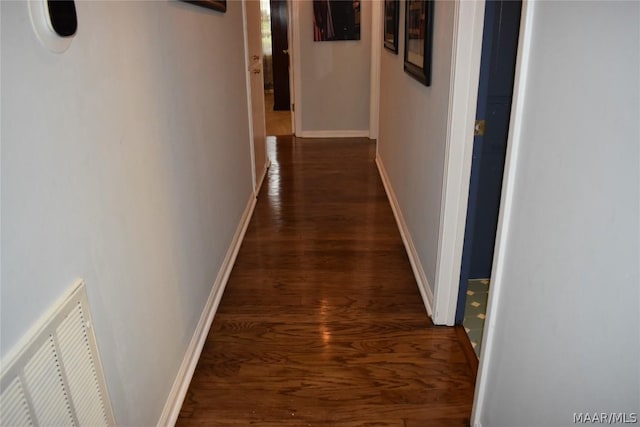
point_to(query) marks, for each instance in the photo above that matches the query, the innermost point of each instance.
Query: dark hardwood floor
(321, 322)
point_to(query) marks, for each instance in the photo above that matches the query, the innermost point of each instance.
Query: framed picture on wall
(219, 5)
(418, 39)
(391, 22)
(335, 20)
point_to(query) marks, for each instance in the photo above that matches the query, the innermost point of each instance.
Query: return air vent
(56, 378)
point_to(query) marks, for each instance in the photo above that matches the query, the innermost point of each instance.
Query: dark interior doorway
(495, 91)
(278, 117)
(280, 52)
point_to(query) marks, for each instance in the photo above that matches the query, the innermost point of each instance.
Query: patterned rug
(475, 311)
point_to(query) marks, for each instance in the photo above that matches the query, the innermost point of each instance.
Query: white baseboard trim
(183, 379)
(265, 169)
(333, 133)
(416, 266)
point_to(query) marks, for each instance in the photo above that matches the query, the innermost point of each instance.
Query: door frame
(247, 65)
(470, 268)
(463, 96)
(468, 30)
(296, 66)
(469, 226)
(508, 190)
(296, 85)
(465, 73)
(257, 175)
(292, 68)
(377, 16)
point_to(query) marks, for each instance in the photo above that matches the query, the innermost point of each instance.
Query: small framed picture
(219, 5)
(391, 23)
(335, 20)
(418, 39)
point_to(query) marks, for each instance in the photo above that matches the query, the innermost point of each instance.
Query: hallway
(321, 322)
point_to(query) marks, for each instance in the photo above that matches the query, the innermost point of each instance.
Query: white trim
(376, 46)
(463, 94)
(506, 205)
(297, 66)
(414, 259)
(262, 176)
(183, 379)
(247, 66)
(333, 133)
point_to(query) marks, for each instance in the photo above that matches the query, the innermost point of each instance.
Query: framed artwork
(418, 39)
(219, 5)
(391, 22)
(336, 20)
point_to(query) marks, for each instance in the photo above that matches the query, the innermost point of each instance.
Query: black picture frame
(219, 5)
(391, 24)
(336, 20)
(418, 39)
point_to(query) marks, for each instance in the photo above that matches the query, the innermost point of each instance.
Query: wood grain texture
(322, 323)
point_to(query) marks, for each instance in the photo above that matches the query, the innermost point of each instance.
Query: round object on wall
(54, 22)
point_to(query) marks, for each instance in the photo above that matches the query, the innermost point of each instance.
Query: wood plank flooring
(277, 122)
(321, 323)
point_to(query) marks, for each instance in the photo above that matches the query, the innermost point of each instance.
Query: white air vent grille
(15, 409)
(46, 386)
(83, 382)
(56, 378)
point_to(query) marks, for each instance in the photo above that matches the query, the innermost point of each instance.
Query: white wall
(412, 136)
(126, 162)
(567, 329)
(334, 77)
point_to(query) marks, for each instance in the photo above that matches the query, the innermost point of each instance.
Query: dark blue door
(497, 70)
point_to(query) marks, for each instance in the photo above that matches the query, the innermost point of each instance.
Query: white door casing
(255, 90)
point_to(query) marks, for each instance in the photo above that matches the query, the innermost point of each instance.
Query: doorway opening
(495, 92)
(275, 53)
